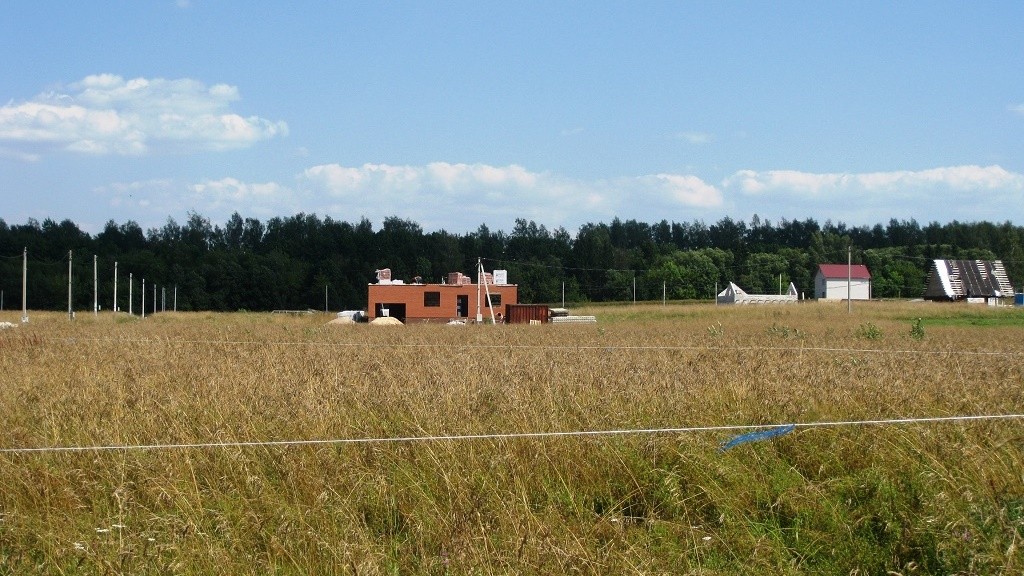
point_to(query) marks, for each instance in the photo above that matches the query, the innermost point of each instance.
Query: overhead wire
(561, 348)
(499, 435)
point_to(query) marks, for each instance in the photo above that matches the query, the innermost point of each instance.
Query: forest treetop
(293, 262)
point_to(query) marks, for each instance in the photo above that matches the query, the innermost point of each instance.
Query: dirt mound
(386, 321)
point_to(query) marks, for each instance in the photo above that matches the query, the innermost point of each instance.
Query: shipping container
(525, 313)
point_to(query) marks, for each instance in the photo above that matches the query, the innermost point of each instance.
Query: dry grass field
(910, 498)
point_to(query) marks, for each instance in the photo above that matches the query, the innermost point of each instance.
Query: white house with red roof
(840, 281)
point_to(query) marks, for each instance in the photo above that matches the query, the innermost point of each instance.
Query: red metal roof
(858, 271)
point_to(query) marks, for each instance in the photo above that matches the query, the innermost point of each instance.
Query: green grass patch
(984, 318)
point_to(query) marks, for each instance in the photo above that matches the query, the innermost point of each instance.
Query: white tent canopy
(733, 294)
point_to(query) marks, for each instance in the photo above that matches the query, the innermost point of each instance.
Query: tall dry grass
(909, 498)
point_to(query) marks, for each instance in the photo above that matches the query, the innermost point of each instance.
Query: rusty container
(524, 313)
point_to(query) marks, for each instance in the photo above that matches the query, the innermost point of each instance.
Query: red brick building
(455, 300)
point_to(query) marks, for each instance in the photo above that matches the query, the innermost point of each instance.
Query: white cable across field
(506, 436)
(688, 348)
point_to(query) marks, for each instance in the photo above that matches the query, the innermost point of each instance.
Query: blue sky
(456, 114)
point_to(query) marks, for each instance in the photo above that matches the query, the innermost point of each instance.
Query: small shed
(842, 282)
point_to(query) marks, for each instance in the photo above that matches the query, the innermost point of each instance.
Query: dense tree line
(304, 261)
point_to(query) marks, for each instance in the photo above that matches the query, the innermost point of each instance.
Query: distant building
(733, 294)
(968, 280)
(457, 299)
(841, 282)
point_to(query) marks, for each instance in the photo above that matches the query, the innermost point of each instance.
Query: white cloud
(441, 192)
(458, 176)
(155, 199)
(233, 191)
(459, 197)
(686, 190)
(880, 184)
(1017, 109)
(222, 197)
(964, 193)
(106, 114)
(437, 177)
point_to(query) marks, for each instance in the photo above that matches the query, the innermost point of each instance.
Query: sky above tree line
(456, 114)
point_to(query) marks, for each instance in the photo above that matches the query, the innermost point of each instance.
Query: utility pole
(115, 286)
(479, 280)
(95, 289)
(71, 313)
(849, 279)
(131, 283)
(24, 287)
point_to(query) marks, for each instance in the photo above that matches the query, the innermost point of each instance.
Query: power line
(502, 435)
(603, 348)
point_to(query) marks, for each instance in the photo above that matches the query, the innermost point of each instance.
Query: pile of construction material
(386, 321)
(562, 316)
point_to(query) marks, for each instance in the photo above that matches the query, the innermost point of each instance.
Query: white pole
(71, 313)
(563, 293)
(664, 292)
(95, 288)
(163, 298)
(115, 286)
(24, 287)
(487, 290)
(479, 279)
(131, 283)
(849, 279)
(143, 307)
(325, 298)
(154, 298)
(634, 288)
(175, 297)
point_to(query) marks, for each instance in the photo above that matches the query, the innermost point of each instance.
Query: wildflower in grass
(917, 330)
